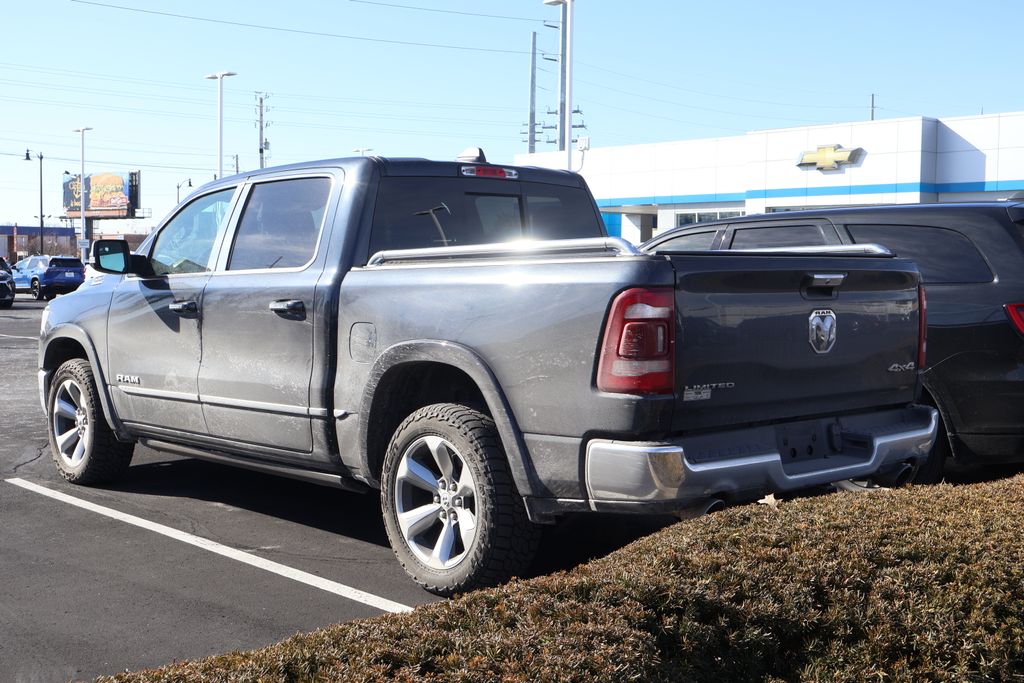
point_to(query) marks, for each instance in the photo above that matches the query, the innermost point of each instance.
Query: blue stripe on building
(30, 231)
(613, 223)
(879, 188)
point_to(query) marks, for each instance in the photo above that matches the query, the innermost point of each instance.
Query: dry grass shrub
(924, 583)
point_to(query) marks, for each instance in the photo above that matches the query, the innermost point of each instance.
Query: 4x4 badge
(822, 330)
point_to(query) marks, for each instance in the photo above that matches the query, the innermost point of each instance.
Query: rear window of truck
(414, 213)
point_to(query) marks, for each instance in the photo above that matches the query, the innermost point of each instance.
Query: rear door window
(280, 225)
(694, 241)
(421, 212)
(778, 236)
(942, 255)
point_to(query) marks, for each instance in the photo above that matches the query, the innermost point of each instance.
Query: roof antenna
(472, 155)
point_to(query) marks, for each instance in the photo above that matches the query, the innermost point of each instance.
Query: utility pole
(872, 106)
(561, 78)
(260, 99)
(236, 164)
(531, 126)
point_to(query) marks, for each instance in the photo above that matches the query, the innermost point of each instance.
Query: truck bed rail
(591, 246)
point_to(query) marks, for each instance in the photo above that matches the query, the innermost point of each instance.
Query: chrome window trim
(217, 240)
(221, 263)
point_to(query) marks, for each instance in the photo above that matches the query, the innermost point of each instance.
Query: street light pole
(28, 157)
(86, 231)
(566, 68)
(189, 181)
(219, 77)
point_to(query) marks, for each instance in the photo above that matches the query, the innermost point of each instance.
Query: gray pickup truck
(467, 339)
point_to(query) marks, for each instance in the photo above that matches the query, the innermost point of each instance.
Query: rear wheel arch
(932, 470)
(947, 426)
(407, 377)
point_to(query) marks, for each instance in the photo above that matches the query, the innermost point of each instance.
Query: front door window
(185, 244)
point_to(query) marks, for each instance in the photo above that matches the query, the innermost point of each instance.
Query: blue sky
(429, 78)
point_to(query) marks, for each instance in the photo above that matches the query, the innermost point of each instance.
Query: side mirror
(112, 256)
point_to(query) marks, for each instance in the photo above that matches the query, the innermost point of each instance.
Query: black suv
(971, 258)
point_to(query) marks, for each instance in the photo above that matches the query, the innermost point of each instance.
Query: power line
(694, 106)
(280, 29)
(724, 97)
(448, 11)
(323, 98)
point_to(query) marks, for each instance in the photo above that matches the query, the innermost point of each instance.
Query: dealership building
(642, 189)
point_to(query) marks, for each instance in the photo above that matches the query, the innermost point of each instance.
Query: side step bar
(312, 476)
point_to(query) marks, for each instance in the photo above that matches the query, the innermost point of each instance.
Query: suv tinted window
(694, 241)
(777, 236)
(280, 224)
(433, 212)
(942, 255)
(65, 263)
(185, 243)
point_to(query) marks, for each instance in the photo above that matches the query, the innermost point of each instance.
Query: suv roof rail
(844, 249)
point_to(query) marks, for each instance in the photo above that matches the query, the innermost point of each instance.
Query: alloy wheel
(435, 495)
(71, 428)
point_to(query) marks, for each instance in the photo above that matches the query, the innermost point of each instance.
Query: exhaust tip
(701, 509)
(895, 478)
(714, 505)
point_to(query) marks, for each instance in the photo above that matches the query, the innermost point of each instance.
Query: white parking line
(17, 336)
(223, 550)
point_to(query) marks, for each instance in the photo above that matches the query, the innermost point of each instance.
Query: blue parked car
(47, 276)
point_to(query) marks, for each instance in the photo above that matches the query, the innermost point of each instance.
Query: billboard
(107, 195)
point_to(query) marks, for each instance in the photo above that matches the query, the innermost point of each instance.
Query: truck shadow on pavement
(574, 540)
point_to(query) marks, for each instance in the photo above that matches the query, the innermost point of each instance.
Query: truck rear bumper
(687, 472)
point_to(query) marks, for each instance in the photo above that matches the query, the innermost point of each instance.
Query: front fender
(48, 364)
(467, 360)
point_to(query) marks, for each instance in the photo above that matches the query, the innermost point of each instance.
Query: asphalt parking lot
(185, 558)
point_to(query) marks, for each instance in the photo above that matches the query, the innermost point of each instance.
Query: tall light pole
(219, 77)
(363, 150)
(566, 111)
(28, 157)
(86, 228)
(187, 180)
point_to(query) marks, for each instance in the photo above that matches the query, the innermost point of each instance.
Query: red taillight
(637, 350)
(922, 327)
(1016, 315)
(490, 172)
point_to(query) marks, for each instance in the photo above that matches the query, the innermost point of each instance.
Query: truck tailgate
(766, 338)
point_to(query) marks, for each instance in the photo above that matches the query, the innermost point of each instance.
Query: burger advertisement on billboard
(107, 195)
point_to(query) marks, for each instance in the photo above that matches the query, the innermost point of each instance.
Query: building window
(691, 217)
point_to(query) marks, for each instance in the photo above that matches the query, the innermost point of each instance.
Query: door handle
(288, 306)
(183, 307)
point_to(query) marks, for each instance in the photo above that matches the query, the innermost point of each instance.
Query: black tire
(7, 304)
(933, 469)
(504, 541)
(102, 458)
(37, 291)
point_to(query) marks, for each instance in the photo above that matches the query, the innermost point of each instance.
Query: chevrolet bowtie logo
(829, 157)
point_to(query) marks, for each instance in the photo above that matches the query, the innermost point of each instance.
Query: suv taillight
(638, 347)
(1016, 314)
(922, 327)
